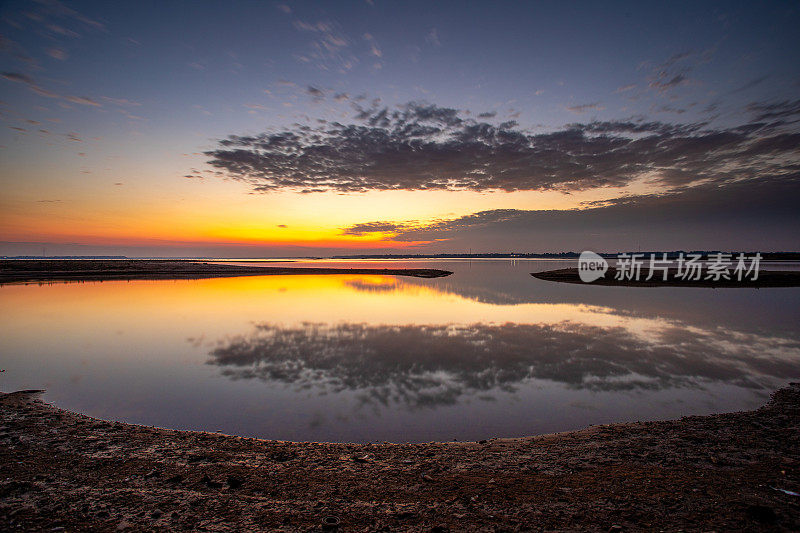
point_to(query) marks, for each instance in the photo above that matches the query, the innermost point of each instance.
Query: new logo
(591, 266)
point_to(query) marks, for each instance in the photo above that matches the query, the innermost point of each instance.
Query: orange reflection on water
(222, 303)
(110, 318)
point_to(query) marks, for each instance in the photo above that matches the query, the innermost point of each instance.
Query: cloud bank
(755, 214)
(426, 147)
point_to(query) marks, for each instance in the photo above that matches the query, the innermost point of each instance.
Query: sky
(277, 129)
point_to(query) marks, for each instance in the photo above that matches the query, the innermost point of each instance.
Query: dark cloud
(758, 214)
(328, 47)
(18, 77)
(663, 81)
(56, 9)
(777, 110)
(490, 114)
(57, 53)
(83, 100)
(32, 85)
(437, 230)
(674, 72)
(375, 227)
(429, 365)
(422, 147)
(314, 92)
(750, 84)
(121, 101)
(582, 108)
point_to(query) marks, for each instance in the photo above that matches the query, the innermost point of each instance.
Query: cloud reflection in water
(432, 365)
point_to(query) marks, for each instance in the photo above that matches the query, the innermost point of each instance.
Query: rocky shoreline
(736, 471)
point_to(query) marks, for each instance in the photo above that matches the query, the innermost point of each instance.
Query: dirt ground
(728, 472)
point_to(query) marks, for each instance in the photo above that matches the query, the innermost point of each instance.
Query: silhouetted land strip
(99, 270)
(767, 256)
(766, 278)
(737, 471)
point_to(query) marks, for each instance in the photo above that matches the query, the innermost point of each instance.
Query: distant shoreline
(27, 271)
(724, 472)
(671, 255)
(766, 278)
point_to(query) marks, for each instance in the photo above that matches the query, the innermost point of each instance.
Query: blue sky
(145, 91)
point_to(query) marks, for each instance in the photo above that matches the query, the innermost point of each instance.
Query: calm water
(488, 351)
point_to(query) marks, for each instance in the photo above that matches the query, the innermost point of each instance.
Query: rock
(426, 477)
(175, 479)
(234, 482)
(156, 514)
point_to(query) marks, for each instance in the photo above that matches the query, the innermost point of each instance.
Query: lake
(487, 352)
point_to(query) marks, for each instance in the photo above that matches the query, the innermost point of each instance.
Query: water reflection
(503, 285)
(432, 365)
(386, 284)
(359, 358)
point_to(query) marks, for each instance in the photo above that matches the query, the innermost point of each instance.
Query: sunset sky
(257, 129)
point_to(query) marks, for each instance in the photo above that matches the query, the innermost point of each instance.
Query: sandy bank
(721, 472)
(22, 271)
(766, 278)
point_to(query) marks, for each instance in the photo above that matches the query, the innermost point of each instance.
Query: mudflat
(766, 278)
(724, 472)
(13, 270)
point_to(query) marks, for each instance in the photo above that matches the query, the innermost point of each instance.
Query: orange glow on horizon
(218, 214)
